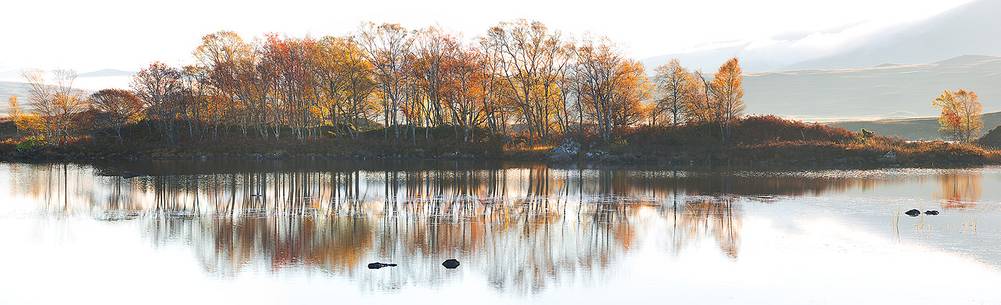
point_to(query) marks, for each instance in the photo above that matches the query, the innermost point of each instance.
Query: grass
(772, 141)
(911, 128)
(756, 141)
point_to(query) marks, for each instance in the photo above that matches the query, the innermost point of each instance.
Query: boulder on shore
(567, 151)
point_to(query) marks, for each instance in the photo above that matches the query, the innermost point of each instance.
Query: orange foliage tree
(960, 116)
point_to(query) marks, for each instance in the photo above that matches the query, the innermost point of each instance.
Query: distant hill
(11, 84)
(8, 89)
(913, 128)
(992, 139)
(710, 59)
(106, 73)
(885, 91)
(971, 28)
(968, 29)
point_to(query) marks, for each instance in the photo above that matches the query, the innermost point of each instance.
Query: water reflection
(718, 218)
(522, 228)
(960, 190)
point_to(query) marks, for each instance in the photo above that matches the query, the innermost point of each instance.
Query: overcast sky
(126, 34)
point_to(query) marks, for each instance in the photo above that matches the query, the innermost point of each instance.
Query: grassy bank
(768, 141)
(754, 142)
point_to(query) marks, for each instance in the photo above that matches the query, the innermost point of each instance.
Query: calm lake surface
(201, 233)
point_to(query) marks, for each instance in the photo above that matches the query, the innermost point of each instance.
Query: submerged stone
(451, 263)
(377, 265)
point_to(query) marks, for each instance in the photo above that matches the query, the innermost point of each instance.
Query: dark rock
(451, 263)
(913, 212)
(931, 212)
(377, 265)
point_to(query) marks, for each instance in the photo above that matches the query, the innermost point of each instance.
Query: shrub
(29, 144)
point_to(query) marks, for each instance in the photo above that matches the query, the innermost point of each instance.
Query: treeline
(518, 79)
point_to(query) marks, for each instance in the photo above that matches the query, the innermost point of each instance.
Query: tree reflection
(524, 228)
(959, 190)
(715, 217)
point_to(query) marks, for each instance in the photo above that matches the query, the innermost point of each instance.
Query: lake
(278, 233)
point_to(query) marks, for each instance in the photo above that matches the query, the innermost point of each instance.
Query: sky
(128, 34)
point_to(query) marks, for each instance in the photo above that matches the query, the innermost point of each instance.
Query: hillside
(956, 32)
(992, 139)
(11, 84)
(885, 91)
(912, 128)
(960, 31)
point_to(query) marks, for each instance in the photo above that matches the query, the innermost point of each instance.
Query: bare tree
(671, 80)
(388, 47)
(57, 102)
(599, 71)
(160, 88)
(531, 60)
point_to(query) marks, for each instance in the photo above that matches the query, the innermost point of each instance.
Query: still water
(207, 233)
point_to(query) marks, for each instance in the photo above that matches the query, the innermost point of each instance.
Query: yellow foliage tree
(28, 124)
(961, 114)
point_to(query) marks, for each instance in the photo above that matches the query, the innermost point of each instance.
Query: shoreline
(764, 142)
(716, 161)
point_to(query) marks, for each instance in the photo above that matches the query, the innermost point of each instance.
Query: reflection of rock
(451, 263)
(931, 212)
(377, 265)
(913, 212)
(888, 157)
(129, 175)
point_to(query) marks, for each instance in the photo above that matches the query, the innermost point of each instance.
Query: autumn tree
(718, 101)
(56, 103)
(465, 99)
(224, 71)
(960, 116)
(597, 66)
(530, 60)
(631, 91)
(434, 55)
(28, 124)
(671, 82)
(520, 77)
(698, 100)
(728, 93)
(160, 88)
(293, 89)
(346, 81)
(387, 48)
(119, 106)
(570, 115)
(497, 108)
(612, 87)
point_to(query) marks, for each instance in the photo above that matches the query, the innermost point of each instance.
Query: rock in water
(931, 212)
(913, 212)
(377, 265)
(451, 263)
